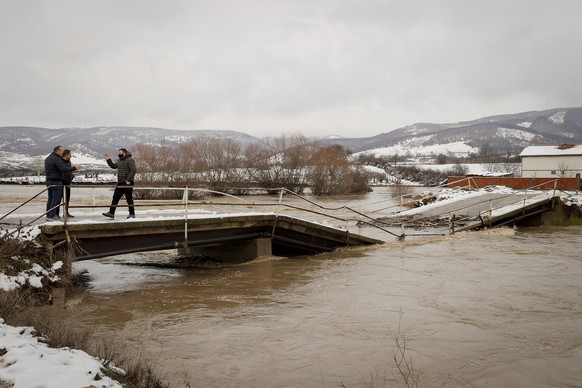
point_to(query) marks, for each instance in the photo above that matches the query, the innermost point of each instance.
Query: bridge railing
(486, 216)
(348, 214)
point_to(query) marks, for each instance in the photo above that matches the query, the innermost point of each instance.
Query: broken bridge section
(232, 237)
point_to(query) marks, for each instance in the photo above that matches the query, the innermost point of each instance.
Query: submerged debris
(420, 221)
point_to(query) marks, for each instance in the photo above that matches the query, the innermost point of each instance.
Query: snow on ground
(416, 149)
(375, 170)
(26, 362)
(449, 196)
(472, 169)
(32, 277)
(479, 169)
(84, 159)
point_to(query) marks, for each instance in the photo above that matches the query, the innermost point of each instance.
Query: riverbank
(36, 350)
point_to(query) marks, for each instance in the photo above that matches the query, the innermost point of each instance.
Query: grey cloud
(345, 67)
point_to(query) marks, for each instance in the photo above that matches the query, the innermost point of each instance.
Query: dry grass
(14, 302)
(139, 372)
(18, 308)
(400, 190)
(404, 373)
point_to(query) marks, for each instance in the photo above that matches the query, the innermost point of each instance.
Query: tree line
(222, 164)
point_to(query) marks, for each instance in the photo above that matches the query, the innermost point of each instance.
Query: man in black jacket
(54, 168)
(126, 170)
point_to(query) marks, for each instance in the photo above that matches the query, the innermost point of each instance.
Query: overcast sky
(266, 67)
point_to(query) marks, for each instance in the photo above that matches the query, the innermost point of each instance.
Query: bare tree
(504, 168)
(398, 189)
(220, 157)
(328, 168)
(147, 155)
(563, 170)
(281, 162)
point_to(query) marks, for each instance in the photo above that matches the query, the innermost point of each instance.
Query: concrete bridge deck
(232, 237)
(480, 211)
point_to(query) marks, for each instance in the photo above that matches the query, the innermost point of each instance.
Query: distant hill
(502, 134)
(99, 140)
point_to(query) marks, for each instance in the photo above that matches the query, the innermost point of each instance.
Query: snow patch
(511, 133)
(415, 147)
(375, 170)
(557, 118)
(27, 362)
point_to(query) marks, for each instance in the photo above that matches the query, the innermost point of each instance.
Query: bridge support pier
(232, 251)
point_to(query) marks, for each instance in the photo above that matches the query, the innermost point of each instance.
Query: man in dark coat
(54, 168)
(126, 170)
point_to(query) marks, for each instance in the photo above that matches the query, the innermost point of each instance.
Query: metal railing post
(490, 212)
(277, 213)
(94, 198)
(185, 201)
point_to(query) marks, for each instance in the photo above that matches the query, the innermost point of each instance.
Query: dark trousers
(118, 194)
(67, 197)
(55, 195)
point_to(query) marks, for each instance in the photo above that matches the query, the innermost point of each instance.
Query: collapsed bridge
(232, 237)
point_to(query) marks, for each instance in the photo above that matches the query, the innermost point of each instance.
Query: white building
(563, 161)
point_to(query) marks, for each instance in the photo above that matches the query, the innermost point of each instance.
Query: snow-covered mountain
(501, 134)
(100, 140)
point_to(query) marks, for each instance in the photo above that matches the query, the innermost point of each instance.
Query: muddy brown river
(497, 308)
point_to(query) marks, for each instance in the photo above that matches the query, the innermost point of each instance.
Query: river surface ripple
(481, 309)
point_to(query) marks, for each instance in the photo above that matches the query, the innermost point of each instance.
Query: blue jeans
(55, 195)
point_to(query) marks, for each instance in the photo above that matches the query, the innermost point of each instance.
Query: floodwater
(497, 308)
